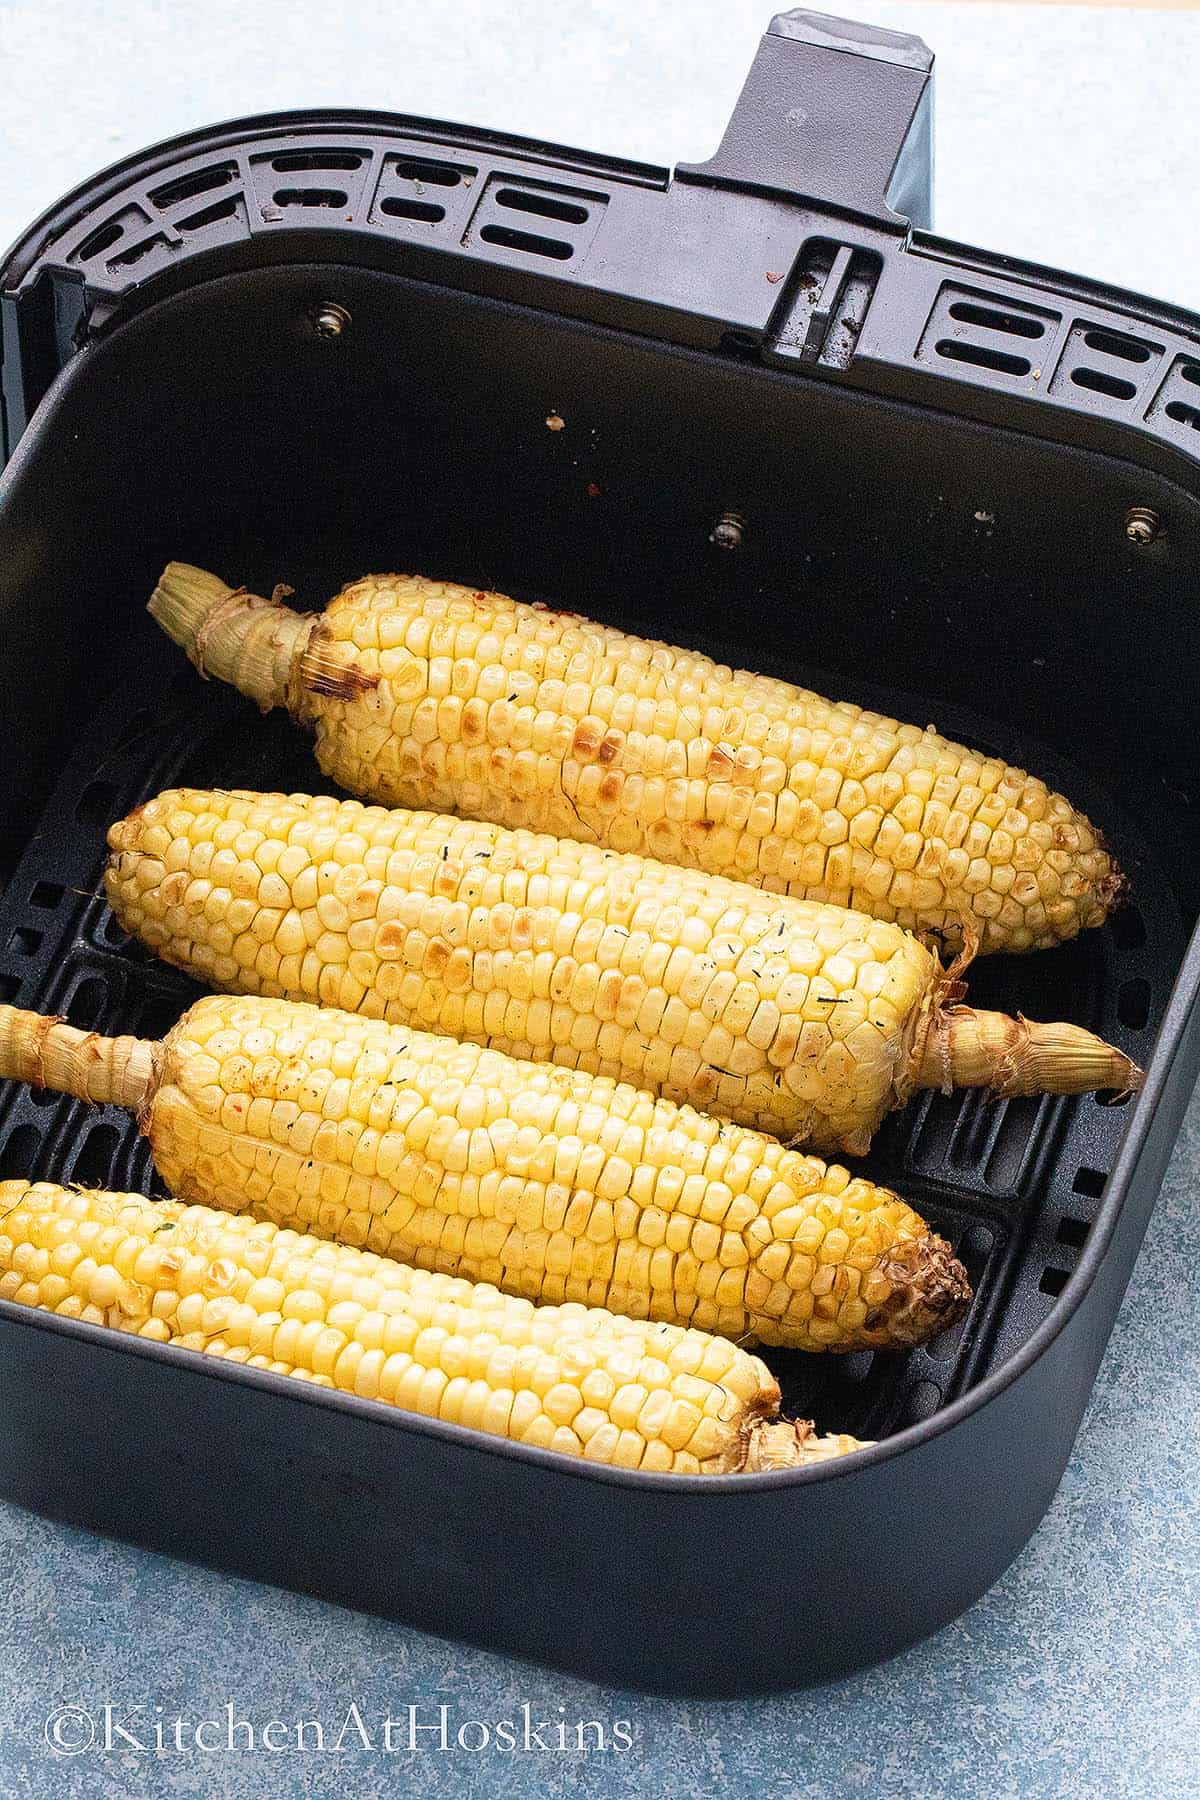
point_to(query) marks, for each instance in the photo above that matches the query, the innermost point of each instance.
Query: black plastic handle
(837, 112)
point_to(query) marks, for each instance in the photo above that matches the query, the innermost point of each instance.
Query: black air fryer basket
(799, 431)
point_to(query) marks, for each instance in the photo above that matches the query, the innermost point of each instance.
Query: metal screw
(330, 319)
(1142, 525)
(729, 532)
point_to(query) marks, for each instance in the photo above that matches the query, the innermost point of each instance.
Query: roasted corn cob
(791, 1017)
(422, 693)
(548, 1182)
(628, 1393)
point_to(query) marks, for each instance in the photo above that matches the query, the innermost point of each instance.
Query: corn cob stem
(424, 693)
(548, 1182)
(967, 1047)
(49, 1053)
(579, 1381)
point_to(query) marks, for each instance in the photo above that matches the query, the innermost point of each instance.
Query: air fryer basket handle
(837, 112)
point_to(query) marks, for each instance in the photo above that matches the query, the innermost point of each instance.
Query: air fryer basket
(923, 527)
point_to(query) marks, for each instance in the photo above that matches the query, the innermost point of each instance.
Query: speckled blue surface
(1080, 1672)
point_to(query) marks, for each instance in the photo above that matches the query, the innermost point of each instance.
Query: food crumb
(554, 423)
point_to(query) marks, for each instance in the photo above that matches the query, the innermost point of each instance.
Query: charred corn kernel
(423, 693)
(722, 1423)
(816, 1057)
(589, 1241)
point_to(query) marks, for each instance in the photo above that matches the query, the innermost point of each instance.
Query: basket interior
(912, 562)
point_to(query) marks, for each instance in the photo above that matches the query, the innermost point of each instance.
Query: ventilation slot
(100, 240)
(96, 804)
(1072, 1232)
(1015, 324)
(401, 207)
(431, 174)
(189, 187)
(1099, 383)
(24, 942)
(1133, 1003)
(1109, 344)
(157, 1014)
(314, 197)
(545, 206)
(89, 1003)
(1053, 1282)
(292, 160)
(22, 1148)
(45, 894)
(1089, 1182)
(1190, 372)
(10, 987)
(210, 215)
(1183, 414)
(1128, 928)
(984, 357)
(93, 1162)
(136, 252)
(528, 241)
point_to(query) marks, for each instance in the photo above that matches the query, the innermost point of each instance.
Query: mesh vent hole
(545, 206)
(531, 242)
(93, 1164)
(1089, 1181)
(25, 941)
(1109, 344)
(101, 240)
(89, 1003)
(188, 187)
(1072, 1232)
(1099, 382)
(1128, 928)
(432, 174)
(1183, 414)
(291, 160)
(45, 894)
(318, 197)
(992, 319)
(22, 1148)
(157, 1014)
(984, 357)
(210, 215)
(1133, 1003)
(10, 987)
(1053, 1281)
(399, 206)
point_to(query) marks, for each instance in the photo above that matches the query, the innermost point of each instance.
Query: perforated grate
(1013, 1185)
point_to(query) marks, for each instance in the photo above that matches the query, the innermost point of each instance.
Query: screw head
(329, 319)
(729, 531)
(1142, 525)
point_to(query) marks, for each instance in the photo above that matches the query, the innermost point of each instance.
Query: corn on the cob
(547, 1182)
(785, 1015)
(423, 693)
(628, 1393)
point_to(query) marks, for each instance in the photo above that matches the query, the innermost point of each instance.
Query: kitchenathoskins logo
(75, 1730)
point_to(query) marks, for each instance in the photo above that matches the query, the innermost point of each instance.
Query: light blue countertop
(1066, 135)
